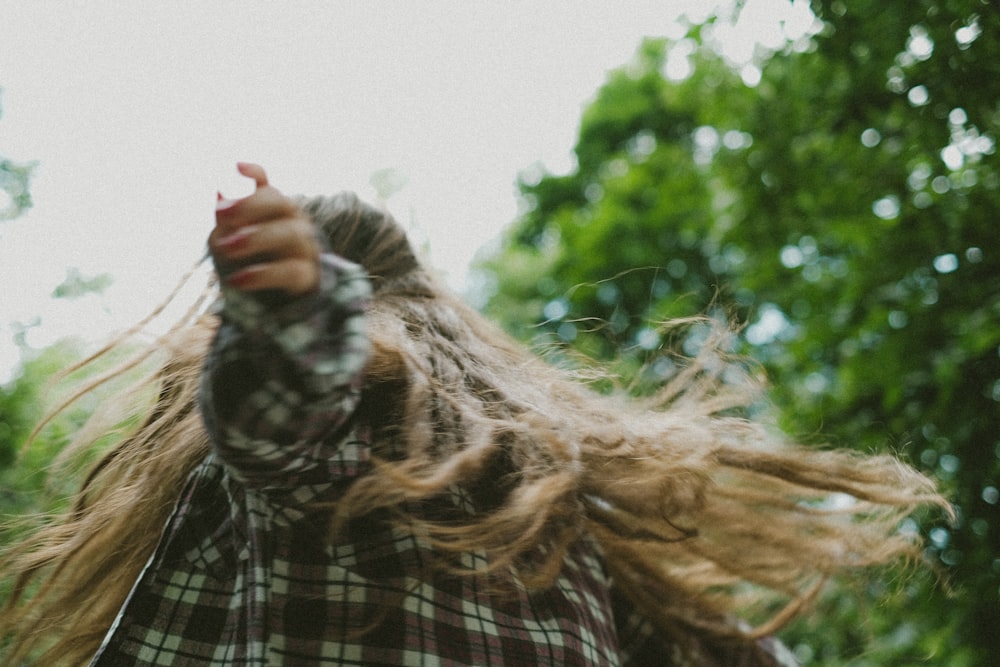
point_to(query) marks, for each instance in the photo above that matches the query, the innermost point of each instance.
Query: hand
(263, 241)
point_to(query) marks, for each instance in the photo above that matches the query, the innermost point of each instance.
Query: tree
(16, 414)
(840, 195)
(22, 406)
(23, 399)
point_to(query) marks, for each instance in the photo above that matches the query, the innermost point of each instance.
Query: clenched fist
(263, 241)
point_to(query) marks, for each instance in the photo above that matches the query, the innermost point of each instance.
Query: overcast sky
(137, 111)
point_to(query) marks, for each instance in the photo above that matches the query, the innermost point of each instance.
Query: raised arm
(284, 374)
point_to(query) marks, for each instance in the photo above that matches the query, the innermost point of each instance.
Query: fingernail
(237, 238)
(223, 205)
(241, 278)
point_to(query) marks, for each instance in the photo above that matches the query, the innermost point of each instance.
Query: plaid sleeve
(283, 378)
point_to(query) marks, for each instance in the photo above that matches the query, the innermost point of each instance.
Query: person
(344, 464)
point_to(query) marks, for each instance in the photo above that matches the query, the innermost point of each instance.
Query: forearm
(284, 377)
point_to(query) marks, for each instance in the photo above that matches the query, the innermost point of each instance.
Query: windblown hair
(703, 516)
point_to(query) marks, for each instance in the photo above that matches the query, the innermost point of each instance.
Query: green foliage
(845, 208)
(76, 285)
(34, 479)
(14, 179)
(23, 469)
(14, 195)
(25, 484)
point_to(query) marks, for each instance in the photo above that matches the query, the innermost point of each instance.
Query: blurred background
(825, 172)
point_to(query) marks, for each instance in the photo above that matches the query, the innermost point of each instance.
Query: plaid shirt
(245, 575)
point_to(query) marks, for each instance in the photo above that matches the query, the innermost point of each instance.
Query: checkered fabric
(245, 575)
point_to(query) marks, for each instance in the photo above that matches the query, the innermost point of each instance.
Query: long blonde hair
(703, 515)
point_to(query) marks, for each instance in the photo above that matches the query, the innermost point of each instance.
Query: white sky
(136, 112)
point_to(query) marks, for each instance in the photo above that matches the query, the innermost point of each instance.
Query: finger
(227, 208)
(264, 205)
(254, 171)
(281, 239)
(292, 276)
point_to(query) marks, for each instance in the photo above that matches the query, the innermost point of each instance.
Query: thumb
(254, 171)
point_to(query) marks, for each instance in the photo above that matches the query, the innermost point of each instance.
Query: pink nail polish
(241, 278)
(237, 238)
(223, 205)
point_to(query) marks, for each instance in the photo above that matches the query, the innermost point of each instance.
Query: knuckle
(306, 237)
(304, 275)
(282, 205)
